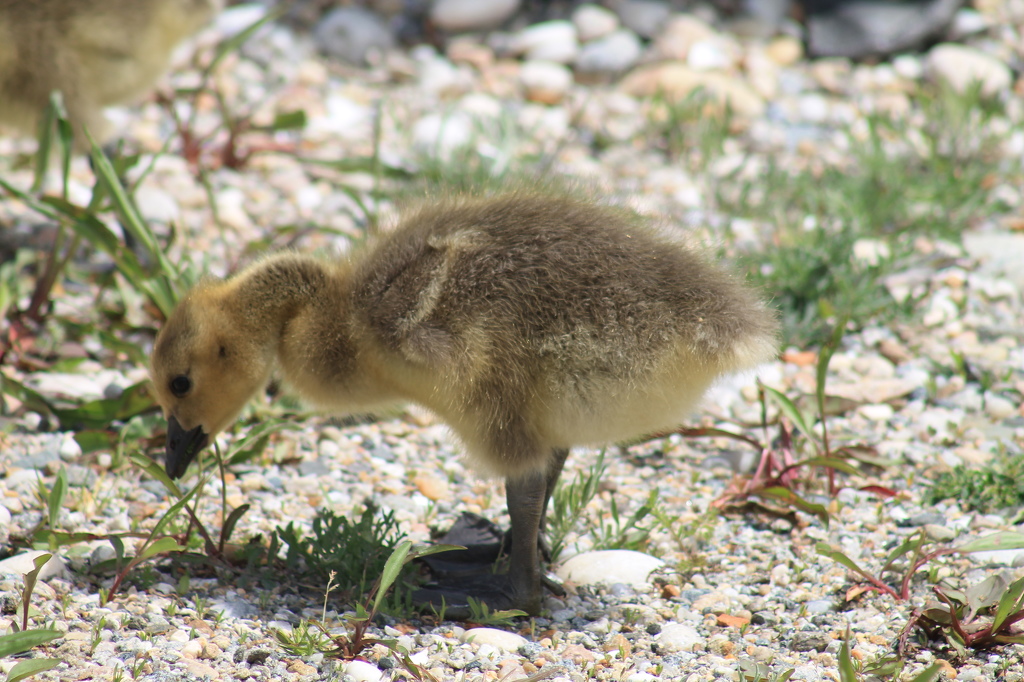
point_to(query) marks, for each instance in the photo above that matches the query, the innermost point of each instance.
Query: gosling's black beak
(182, 447)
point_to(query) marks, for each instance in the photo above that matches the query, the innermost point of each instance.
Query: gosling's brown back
(554, 321)
(551, 276)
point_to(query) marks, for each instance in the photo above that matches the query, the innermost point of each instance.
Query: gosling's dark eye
(180, 385)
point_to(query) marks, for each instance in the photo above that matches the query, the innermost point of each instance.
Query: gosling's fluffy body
(525, 322)
(97, 53)
(529, 323)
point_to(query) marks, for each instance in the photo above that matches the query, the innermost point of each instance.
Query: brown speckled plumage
(528, 322)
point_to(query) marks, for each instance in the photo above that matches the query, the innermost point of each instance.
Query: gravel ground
(747, 588)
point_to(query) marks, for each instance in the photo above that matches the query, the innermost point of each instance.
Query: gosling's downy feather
(526, 322)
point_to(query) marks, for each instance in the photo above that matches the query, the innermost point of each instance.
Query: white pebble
(471, 15)
(877, 413)
(960, 66)
(551, 41)
(361, 671)
(545, 82)
(499, 639)
(611, 54)
(677, 637)
(996, 407)
(593, 21)
(70, 450)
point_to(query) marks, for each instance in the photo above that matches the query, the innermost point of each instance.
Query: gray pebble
(612, 54)
(352, 34)
(818, 606)
(645, 17)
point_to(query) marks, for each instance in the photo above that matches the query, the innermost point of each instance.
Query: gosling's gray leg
(526, 497)
(521, 587)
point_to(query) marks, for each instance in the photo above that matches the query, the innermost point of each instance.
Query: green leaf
(233, 518)
(15, 643)
(911, 544)
(25, 669)
(847, 673)
(95, 414)
(56, 500)
(823, 549)
(176, 508)
(129, 216)
(1002, 540)
(391, 570)
(790, 498)
(289, 120)
(1010, 603)
(161, 546)
(828, 463)
(155, 471)
(94, 440)
(789, 408)
(929, 674)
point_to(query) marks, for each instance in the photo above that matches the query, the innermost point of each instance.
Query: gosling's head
(205, 366)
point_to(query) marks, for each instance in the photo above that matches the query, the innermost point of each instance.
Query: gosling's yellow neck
(297, 310)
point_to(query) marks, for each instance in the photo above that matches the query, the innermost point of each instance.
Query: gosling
(97, 53)
(528, 322)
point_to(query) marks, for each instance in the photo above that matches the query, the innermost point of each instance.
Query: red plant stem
(954, 620)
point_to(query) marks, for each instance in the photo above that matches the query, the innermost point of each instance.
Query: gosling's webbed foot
(484, 543)
(496, 591)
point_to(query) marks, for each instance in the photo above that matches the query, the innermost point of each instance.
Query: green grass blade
(392, 568)
(791, 499)
(847, 673)
(789, 408)
(1001, 540)
(1010, 603)
(25, 669)
(155, 471)
(161, 546)
(823, 549)
(56, 500)
(15, 643)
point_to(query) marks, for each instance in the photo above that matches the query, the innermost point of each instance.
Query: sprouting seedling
(983, 616)
(350, 645)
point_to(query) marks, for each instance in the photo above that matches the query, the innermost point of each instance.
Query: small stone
(810, 641)
(785, 50)
(593, 21)
(706, 55)
(458, 16)
(645, 17)
(677, 80)
(352, 34)
(682, 32)
(819, 606)
(433, 487)
(361, 671)
(439, 135)
(609, 566)
(21, 564)
(499, 639)
(998, 407)
(545, 82)
(69, 450)
(678, 637)
(612, 54)
(303, 668)
(877, 412)
(960, 67)
(551, 41)
(193, 649)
